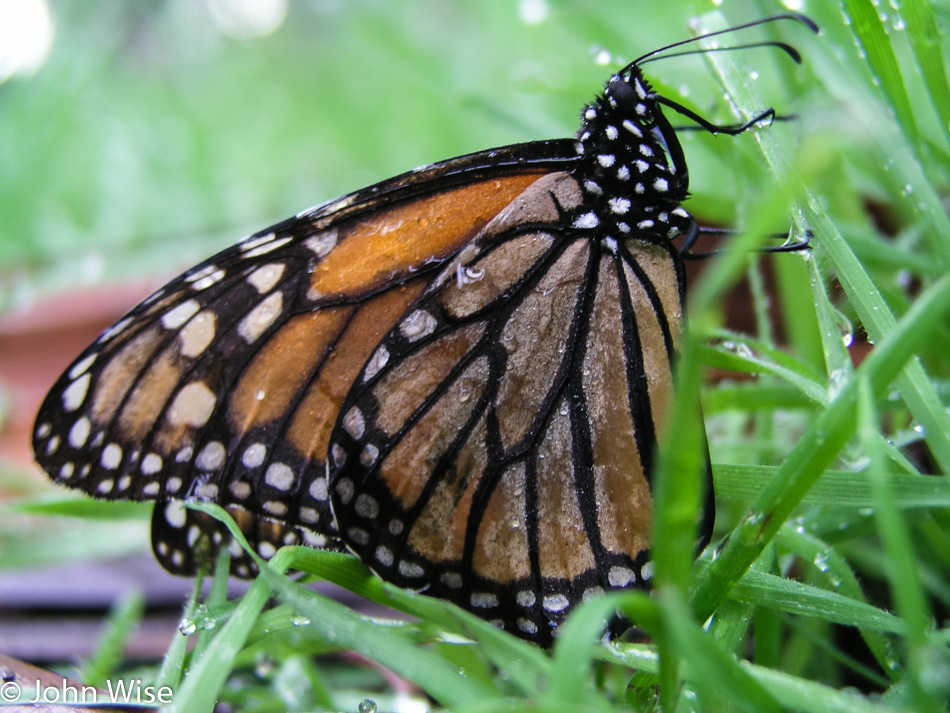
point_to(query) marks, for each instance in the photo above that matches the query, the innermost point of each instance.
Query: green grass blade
(871, 34)
(813, 453)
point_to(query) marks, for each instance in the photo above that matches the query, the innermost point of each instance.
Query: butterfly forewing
(225, 384)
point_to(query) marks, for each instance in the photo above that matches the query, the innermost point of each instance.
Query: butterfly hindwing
(485, 453)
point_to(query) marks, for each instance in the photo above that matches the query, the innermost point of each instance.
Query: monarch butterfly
(456, 374)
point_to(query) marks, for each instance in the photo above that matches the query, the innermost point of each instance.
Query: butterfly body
(458, 374)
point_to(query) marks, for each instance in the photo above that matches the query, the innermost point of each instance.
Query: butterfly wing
(496, 448)
(225, 384)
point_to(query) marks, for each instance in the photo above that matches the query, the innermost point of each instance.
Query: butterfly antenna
(797, 16)
(788, 49)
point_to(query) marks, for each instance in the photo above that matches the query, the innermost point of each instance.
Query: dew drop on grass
(367, 705)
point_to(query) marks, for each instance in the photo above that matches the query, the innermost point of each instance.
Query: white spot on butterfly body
(105, 486)
(645, 224)
(173, 485)
(611, 132)
(43, 430)
(417, 325)
(265, 277)
(619, 205)
(525, 598)
(646, 150)
(177, 316)
(632, 128)
(75, 393)
(623, 173)
(593, 188)
(66, 471)
(555, 602)
(309, 515)
(256, 322)
(384, 556)
(606, 160)
(266, 550)
(661, 185)
(641, 165)
(641, 109)
(395, 526)
(586, 221)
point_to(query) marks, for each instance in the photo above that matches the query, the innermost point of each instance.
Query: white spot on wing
(80, 367)
(75, 393)
(261, 317)
(264, 278)
(417, 325)
(354, 424)
(620, 576)
(322, 243)
(177, 316)
(212, 456)
(254, 455)
(111, 456)
(266, 248)
(197, 334)
(79, 432)
(193, 406)
(280, 476)
(376, 362)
